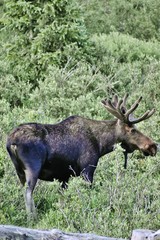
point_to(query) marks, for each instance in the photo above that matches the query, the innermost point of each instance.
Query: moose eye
(133, 130)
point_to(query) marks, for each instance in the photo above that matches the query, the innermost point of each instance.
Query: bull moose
(74, 145)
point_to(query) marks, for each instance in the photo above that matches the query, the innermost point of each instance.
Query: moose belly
(58, 169)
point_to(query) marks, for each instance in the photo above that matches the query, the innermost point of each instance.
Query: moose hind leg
(32, 155)
(31, 180)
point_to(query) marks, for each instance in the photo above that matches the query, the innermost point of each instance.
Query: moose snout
(150, 150)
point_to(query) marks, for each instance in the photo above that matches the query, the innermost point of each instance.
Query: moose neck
(106, 135)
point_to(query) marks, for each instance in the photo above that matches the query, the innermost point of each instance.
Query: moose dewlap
(74, 145)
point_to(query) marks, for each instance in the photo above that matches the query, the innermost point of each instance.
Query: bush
(137, 18)
(127, 62)
(42, 34)
(124, 48)
(13, 91)
(68, 92)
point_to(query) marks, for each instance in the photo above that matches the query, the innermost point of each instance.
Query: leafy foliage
(137, 18)
(127, 61)
(43, 33)
(49, 69)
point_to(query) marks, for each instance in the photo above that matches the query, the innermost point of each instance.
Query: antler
(117, 107)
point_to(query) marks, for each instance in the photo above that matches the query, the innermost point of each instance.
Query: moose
(73, 146)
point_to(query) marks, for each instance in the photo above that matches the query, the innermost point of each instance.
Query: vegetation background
(61, 58)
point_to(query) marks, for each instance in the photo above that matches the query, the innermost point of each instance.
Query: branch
(13, 232)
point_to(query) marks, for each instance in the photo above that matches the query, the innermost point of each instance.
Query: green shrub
(12, 208)
(42, 33)
(66, 92)
(137, 18)
(14, 91)
(124, 48)
(127, 62)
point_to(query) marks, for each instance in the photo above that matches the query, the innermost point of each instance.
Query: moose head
(130, 137)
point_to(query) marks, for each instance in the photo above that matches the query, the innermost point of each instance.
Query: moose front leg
(88, 173)
(125, 159)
